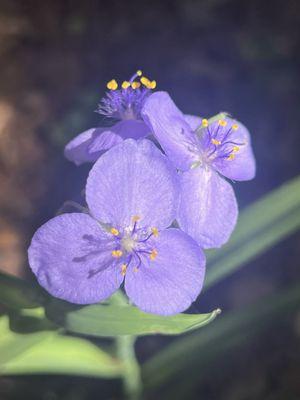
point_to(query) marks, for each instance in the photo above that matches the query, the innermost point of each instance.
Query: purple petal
(88, 146)
(242, 167)
(171, 282)
(193, 121)
(170, 128)
(133, 178)
(208, 208)
(71, 257)
(131, 128)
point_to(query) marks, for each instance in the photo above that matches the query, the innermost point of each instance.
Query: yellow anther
(222, 122)
(153, 254)
(136, 218)
(215, 142)
(152, 85)
(154, 231)
(117, 253)
(125, 85)
(235, 127)
(139, 72)
(204, 123)
(135, 85)
(231, 157)
(145, 81)
(123, 269)
(112, 85)
(114, 231)
(235, 148)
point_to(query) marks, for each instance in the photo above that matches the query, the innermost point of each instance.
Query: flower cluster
(135, 192)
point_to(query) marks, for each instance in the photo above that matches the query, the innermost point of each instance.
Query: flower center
(128, 244)
(127, 101)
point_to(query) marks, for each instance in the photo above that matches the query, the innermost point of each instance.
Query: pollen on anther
(123, 269)
(154, 231)
(112, 85)
(153, 254)
(231, 157)
(136, 218)
(114, 231)
(235, 148)
(139, 72)
(125, 85)
(222, 122)
(215, 142)
(117, 253)
(152, 84)
(135, 85)
(235, 127)
(204, 123)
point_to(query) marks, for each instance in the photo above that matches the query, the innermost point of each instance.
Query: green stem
(131, 377)
(126, 353)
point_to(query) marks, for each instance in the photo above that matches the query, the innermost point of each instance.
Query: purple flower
(132, 193)
(121, 108)
(203, 151)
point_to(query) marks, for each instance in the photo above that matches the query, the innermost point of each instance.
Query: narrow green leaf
(260, 226)
(117, 319)
(51, 353)
(199, 350)
(17, 293)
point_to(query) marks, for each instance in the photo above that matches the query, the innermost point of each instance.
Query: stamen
(135, 85)
(139, 72)
(235, 148)
(145, 81)
(154, 231)
(112, 85)
(222, 122)
(215, 142)
(204, 123)
(136, 218)
(153, 254)
(117, 253)
(114, 231)
(235, 127)
(123, 269)
(152, 85)
(231, 157)
(125, 85)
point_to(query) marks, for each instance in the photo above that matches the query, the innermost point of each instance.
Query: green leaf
(51, 353)
(196, 354)
(17, 293)
(260, 226)
(119, 319)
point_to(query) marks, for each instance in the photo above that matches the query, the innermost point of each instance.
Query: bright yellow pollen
(135, 85)
(155, 231)
(125, 85)
(205, 122)
(123, 269)
(231, 157)
(216, 142)
(112, 85)
(222, 122)
(139, 72)
(114, 231)
(235, 127)
(152, 85)
(145, 81)
(235, 148)
(136, 218)
(117, 253)
(153, 254)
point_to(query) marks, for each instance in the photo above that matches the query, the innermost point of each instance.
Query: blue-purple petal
(133, 178)
(193, 121)
(71, 257)
(170, 128)
(208, 209)
(170, 283)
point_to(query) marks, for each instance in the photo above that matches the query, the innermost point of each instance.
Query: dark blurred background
(212, 55)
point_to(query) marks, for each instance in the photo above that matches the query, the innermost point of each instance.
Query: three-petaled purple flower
(122, 108)
(132, 193)
(203, 151)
